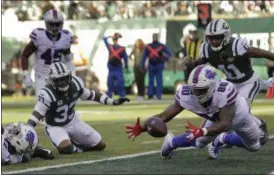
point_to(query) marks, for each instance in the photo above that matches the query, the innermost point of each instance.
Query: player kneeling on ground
(56, 102)
(217, 101)
(19, 144)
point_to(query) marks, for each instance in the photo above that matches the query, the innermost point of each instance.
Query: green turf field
(110, 122)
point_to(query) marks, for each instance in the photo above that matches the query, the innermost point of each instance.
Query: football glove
(27, 80)
(135, 130)
(194, 131)
(120, 101)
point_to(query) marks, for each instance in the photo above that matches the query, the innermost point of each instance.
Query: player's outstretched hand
(194, 131)
(27, 81)
(135, 130)
(121, 100)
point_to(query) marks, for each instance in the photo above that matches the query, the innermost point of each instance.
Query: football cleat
(264, 136)
(42, 153)
(215, 147)
(166, 149)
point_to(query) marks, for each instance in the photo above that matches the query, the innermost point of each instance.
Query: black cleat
(42, 153)
(264, 138)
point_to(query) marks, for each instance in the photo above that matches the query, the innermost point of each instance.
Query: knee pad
(66, 150)
(254, 147)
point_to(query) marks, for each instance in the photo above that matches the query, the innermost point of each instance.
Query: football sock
(182, 141)
(232, 139)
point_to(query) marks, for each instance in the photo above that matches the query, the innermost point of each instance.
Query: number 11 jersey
(49, 51)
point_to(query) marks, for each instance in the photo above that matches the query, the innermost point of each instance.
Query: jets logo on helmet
(202, 81)
(218, 34)
(59, 76)
(54, 21)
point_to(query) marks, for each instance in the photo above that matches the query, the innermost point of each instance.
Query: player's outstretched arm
(102, 98)
(168, 114)
(260, 53)
(26, 53)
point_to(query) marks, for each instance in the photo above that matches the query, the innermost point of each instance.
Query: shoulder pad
(66, 32)
(78, 83)
(203, 52)
(226, 93)
(46, 96)
(239, 46)
(41, 29)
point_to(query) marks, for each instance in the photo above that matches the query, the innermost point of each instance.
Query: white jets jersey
(225, 93)
(49, 51)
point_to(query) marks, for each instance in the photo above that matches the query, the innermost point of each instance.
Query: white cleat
(213, 150)
(166, 149)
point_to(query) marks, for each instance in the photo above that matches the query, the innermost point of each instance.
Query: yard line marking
(95, 161)
(149, 142)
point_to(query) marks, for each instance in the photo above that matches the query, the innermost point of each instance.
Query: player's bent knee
(66, 150)
(100, 146)
(254, 148)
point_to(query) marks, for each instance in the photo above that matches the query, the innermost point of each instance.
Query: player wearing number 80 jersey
(56, 102)
(49, 45)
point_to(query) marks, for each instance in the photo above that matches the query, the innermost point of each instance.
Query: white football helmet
(218, 34)
(202, 81)
(59, 76)
(54, 21)
(22, 136)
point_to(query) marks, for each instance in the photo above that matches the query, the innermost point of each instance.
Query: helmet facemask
(54, 27)
(216, 41)
(203, 94)
(61, 83)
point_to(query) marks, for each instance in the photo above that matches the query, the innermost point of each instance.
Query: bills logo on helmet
(30, 138)
(210, 74)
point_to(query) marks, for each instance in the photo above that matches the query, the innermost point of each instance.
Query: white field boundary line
(271, 173)
(96, 161)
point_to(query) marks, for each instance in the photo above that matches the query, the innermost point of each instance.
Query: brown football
(156, 127)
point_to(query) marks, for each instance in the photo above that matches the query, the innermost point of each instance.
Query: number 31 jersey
(232, 59)
(225, 94)
(49, 51)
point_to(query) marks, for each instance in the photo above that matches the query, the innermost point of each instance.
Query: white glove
(27, 80)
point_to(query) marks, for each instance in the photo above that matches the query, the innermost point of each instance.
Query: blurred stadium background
(89, 21)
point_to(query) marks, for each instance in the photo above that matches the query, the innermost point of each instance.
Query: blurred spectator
(270, 64)
(182, 9)
(73, 10)
(147, 11)
(137, 54)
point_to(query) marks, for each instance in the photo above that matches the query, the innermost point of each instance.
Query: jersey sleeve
(34, 36)
(226, 94)
(203, 52)
(79, 84)
(45, 99)
(67, 39)
(240, 46)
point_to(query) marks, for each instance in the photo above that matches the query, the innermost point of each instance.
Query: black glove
(120, 101)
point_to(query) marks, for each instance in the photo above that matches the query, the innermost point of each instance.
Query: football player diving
(232, 56)
(56, 102)
(216, 100)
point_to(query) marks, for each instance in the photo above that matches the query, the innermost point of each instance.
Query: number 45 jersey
(224, 94)
(232, 60)
(49, 51)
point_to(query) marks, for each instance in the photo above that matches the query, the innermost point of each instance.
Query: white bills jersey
(224, 94)
(8, 154)
(49, 51)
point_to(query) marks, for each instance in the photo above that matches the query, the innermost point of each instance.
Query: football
(156, 127)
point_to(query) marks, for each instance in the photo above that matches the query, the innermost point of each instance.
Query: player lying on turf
(217, 101)
(56, 102)
(19, 144)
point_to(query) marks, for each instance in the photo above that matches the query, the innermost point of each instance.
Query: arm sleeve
(144, 58)
(125, 56)
(167, 51)
(106, 42)
(34, 37)
(240, 46)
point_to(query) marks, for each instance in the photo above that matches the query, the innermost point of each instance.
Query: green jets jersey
(232, 59)
(60, 106)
